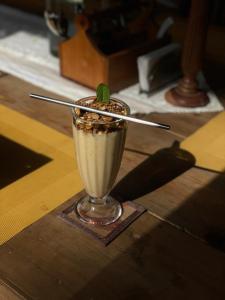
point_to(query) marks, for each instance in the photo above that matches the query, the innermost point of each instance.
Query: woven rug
(207, 144)
(38, 171)
(24, 52)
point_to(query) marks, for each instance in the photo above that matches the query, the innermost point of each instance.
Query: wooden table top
(173, 251)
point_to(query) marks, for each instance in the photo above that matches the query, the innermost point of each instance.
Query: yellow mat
(34, 195)
(207, 144)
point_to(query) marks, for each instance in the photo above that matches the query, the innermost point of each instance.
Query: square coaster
(103, 234)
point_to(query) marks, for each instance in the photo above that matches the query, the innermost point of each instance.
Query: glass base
(98, 211)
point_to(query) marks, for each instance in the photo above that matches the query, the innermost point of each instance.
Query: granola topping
(96, 123)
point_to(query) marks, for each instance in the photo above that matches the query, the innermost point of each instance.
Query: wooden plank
(182, 125)
(169, 266)
(167, 186)
(195, 202)
(14, 93)
(52, 260)
(7, 293)
(59, 117)
(3, 74)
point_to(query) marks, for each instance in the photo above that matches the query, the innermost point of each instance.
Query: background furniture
(106, 45)
(187, 92)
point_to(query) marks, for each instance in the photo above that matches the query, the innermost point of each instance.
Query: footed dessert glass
(99, 142)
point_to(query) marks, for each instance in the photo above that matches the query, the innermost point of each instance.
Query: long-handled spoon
(105, 113)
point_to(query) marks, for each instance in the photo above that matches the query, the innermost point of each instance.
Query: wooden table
(173, 251)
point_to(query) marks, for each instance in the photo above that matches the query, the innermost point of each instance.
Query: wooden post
(187, 93)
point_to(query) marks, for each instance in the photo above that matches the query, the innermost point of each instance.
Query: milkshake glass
(99, 142)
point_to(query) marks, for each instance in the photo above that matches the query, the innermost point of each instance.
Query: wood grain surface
(9, 292)
(174, 251)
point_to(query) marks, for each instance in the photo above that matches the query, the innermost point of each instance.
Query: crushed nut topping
(107, 119)
(97, 123)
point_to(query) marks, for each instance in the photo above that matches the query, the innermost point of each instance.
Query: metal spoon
(105, 113)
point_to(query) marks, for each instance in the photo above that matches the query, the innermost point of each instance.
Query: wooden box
(82, 60)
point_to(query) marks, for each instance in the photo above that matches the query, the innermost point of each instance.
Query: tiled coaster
(104, 234)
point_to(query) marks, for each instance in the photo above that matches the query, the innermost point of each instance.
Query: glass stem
(97, 200)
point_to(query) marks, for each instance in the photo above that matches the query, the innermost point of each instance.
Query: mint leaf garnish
(103, 93)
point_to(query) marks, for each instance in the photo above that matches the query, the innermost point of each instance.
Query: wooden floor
(173, 251)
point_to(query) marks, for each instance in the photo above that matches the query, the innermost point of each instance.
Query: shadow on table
(158, 169)
(17, 161)
(167, 262)
(203, 214)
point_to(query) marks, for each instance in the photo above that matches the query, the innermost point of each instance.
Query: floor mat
(207, 144)
(47, 172)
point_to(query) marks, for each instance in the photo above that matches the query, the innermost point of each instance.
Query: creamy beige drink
(99, 142)
(99, 157)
